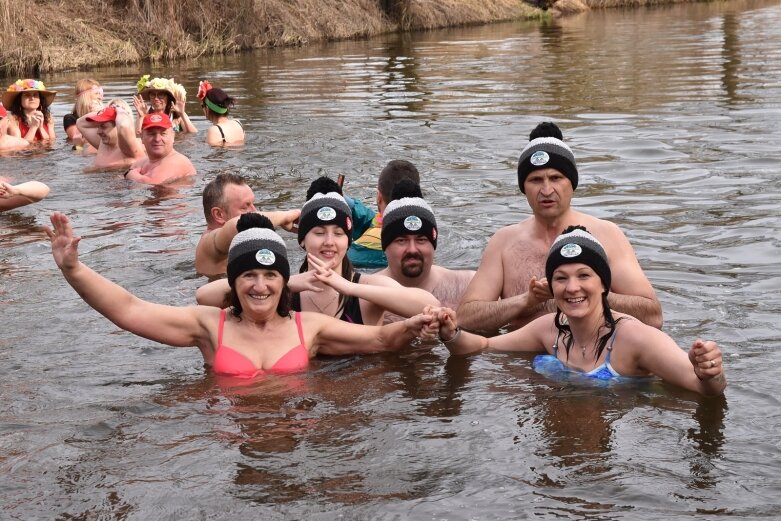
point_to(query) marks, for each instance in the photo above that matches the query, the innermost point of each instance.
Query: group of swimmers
(138, 140)
(563, 283)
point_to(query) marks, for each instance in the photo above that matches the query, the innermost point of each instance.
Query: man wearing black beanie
(409, 239)
(509, 288)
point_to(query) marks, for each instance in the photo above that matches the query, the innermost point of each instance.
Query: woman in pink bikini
(258, 334)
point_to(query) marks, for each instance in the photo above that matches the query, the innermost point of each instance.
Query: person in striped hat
(409, 239)
(258, 334)
(587, 340)
(510, 288)
(328, 282)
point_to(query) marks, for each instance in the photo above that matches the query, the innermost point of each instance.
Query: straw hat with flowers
(19, 86)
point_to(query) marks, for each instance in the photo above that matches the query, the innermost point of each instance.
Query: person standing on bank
(511, 270)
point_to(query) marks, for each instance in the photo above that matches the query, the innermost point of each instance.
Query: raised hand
(140, 105)
(64, 243)
(324, 272)
(539, 291)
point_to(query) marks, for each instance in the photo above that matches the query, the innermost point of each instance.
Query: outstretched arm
(701, 370)
(336, 337)
(22, 194)
(176, 326)
(382, 292)
(214, 293)
(530, 337)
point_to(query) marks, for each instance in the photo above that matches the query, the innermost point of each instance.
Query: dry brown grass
(431, 14)
(68, 34)
(569, 7)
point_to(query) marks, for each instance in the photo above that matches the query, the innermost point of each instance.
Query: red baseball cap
(3, 112)
(107, 114)
(156, 119)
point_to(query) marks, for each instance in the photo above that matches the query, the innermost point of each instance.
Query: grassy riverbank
(50, 35)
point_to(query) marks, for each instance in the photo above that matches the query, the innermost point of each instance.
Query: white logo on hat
(265, 257)
(156, 118)
(539, 158)
(571, 250)
(326, 213)
(413, 223)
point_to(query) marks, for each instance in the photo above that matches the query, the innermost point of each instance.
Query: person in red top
(7, 142)
(28, 102)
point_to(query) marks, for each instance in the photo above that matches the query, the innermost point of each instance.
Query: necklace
(322, 310)
(585, 344)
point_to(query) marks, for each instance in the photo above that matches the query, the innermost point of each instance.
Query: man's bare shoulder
(513, 233)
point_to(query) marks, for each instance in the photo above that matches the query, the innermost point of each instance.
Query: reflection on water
(673, 115)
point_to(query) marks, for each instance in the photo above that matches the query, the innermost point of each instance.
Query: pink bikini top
(229, 362)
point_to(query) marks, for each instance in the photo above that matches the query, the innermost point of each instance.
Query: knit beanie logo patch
(413, 223)
(539, 158)
(265, 257)
(326, 213)
(570, 250)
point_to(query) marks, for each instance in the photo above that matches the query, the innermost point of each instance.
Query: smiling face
(327, 242)
(410, 256)
(107, 131)
(158, 99)
(549, 192)
(259, 291)
(577, 290)
(158, 141)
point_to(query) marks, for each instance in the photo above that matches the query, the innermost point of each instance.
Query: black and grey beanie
(256, 246)
(408, 214)
(577, 245)
(547, 150)
(325, 205)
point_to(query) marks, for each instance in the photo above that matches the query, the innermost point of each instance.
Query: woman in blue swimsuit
(586, 336)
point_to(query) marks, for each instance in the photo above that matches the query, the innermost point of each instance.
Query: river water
(674, 114)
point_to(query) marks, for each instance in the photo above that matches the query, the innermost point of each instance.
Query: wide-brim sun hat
(145, 86)
(27, 85)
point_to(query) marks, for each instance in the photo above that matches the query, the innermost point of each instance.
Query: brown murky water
(674, 114)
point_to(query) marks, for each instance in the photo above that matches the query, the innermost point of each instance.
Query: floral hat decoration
(27, 85)
(203, 88)
(146, 84)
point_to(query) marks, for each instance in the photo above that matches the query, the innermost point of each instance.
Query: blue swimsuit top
(550, 365)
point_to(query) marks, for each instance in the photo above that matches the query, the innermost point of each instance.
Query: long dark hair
(566, 332)
(284, 306)
(18, 111)
(348, 272)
